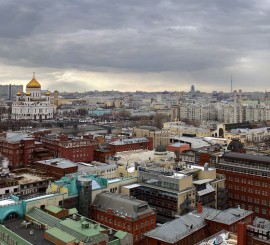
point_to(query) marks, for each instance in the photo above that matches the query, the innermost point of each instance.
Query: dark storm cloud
(134, 36)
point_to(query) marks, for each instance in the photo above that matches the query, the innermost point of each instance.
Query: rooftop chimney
(199, 208)
(241, 233)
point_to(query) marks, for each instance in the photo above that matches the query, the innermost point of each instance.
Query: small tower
(48, 96)
(84, 186)
(18, 96)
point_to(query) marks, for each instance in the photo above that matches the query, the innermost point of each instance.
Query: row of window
(248, 190)
(123, 225)
(249, 199)
(250, 182)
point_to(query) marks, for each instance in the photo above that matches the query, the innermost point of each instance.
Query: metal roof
(61, 235)
(228, 216)
(248, 157)
(177, 229)
(121, 205)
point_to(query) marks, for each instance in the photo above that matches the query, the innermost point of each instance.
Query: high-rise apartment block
(235, 111)
(9, 91)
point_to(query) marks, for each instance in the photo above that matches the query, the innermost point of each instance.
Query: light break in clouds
(126, 45)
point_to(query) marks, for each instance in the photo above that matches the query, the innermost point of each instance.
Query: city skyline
(139, 45)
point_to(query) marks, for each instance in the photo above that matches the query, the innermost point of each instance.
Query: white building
(32, 104)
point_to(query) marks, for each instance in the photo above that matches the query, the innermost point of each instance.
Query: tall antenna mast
(231, 84)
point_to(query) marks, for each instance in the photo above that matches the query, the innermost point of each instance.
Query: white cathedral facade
(33, 105)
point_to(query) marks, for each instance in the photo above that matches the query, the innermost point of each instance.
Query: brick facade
(19, 153)
(131, 144)
(76, 150)
(247, 182)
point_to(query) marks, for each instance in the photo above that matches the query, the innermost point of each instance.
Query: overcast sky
(131, 45)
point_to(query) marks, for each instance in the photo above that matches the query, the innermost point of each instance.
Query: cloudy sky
(130, 45)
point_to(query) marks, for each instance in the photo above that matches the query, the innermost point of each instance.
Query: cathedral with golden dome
(33, 105)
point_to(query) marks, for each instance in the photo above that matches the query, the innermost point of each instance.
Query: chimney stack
(199, 208)
(241, 233)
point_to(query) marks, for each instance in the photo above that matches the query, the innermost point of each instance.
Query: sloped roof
(177, 229)
(63, 236)
(121, 205)
(53, 209)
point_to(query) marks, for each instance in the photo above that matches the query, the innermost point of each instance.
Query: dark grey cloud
(207, 39)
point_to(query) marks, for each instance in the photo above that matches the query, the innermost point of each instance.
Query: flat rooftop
(29, 178)
(6, 202)
(129, 141)
(37, 238)
(58, 162)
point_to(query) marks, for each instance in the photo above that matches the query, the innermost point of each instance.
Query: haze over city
(145, 45)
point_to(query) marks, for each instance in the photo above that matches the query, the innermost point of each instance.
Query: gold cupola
(33, 83)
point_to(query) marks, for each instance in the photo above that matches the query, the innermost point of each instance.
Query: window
(257, 210)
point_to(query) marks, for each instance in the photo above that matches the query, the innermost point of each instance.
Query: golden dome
(27, 93)
(19, 94)
(33, 83)
(48, 93)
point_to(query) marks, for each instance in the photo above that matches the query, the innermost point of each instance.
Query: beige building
(176, 193)
(249, 135)
(179, 128)
(159, 136)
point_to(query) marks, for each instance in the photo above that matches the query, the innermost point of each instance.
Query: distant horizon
(137, 91)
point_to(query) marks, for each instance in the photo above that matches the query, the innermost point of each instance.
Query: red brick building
(101, 155)
(178, 147)
(198, 225)
(131, 144)
(18, 148)
(130, 215)
(186, 230)
(57, 167)
(247, 181)
(74, 149)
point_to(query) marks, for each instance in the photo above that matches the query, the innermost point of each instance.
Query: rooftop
(121, 205)
(196, 142)
(24, 234)
(29, 178)
(7, 202)
(177, 229)
(58, 162)
(16, 137)
(222, 237)
(129, 141)
(249, 157)
(228, 216)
